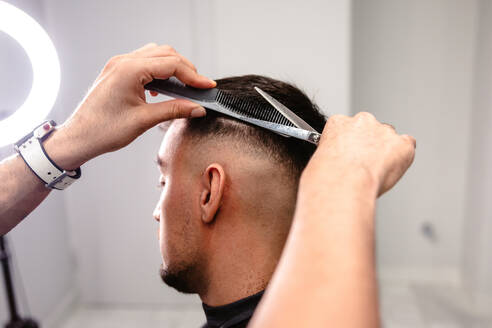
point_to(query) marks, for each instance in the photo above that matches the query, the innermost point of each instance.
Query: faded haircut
(291, 153)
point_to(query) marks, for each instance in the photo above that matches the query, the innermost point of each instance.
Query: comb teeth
(258, 110)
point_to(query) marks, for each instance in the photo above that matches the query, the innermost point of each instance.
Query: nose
(157, 213)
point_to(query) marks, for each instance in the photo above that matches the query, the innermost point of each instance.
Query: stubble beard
(184, 280)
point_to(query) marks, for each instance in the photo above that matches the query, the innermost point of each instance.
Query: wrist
(63, 149)
(330, 188)
(332, 177)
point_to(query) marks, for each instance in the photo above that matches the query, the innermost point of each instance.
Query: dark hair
(290, 152)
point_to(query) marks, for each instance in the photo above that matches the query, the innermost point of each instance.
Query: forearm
(20, 192)
(326, 276)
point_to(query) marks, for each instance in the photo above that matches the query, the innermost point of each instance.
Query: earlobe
(213, 183)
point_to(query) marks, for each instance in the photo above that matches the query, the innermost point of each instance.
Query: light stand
(15, 320)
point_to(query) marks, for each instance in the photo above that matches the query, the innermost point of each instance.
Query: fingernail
(198, 112)
(209, 80)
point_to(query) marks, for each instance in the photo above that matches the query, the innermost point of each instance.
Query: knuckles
(335, 120)
(173, 110)
(122, 64)
(410, 140)
(118, 63)
(167, 48)
(175, 60)
(114, 60)
(364, 116)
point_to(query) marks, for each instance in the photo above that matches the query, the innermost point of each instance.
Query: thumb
(168, 110)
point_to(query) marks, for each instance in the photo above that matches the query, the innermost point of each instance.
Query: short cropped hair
(291, 153)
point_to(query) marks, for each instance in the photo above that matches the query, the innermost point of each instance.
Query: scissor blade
(286, 112)
(284, 130)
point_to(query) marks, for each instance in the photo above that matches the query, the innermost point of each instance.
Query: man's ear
(213, 183)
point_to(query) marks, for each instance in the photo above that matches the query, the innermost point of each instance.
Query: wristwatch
(32, 152)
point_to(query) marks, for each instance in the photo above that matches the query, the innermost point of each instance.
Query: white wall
(413, 68)
(305, 43)
(110, 208)
(477, 262)
(43, 261)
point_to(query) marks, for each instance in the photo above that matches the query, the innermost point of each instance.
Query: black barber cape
(233, 315)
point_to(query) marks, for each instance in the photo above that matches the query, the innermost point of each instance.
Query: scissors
(302, 131)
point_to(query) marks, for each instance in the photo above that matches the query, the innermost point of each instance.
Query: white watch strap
(33, 153)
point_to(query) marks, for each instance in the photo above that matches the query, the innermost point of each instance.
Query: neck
(238, 266)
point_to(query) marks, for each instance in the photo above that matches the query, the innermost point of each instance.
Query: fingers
(143, 49)
(154, 50)
(410, 140)
(389, 126)
(152, 61)
(361, 117)
(365, 116)
(163, 51)
(369, 116)
(165, 67)
(153, 114)
(363, 141)
(404, 154)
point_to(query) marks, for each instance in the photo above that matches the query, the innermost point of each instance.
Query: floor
(401, 307)
(123, 317)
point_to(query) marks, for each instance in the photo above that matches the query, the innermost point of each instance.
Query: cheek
(174, 226)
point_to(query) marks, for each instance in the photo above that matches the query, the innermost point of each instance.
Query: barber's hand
(115, 111)
(363, 148)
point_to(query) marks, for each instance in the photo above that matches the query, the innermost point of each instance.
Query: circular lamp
(45, 68)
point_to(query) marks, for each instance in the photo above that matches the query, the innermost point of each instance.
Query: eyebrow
(159, 161)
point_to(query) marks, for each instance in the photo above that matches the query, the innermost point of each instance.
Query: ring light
(45, 68)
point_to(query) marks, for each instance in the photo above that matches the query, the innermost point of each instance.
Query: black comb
(220, 100)
(253, 112)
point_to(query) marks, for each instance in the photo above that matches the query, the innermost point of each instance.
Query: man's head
(229, 188)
